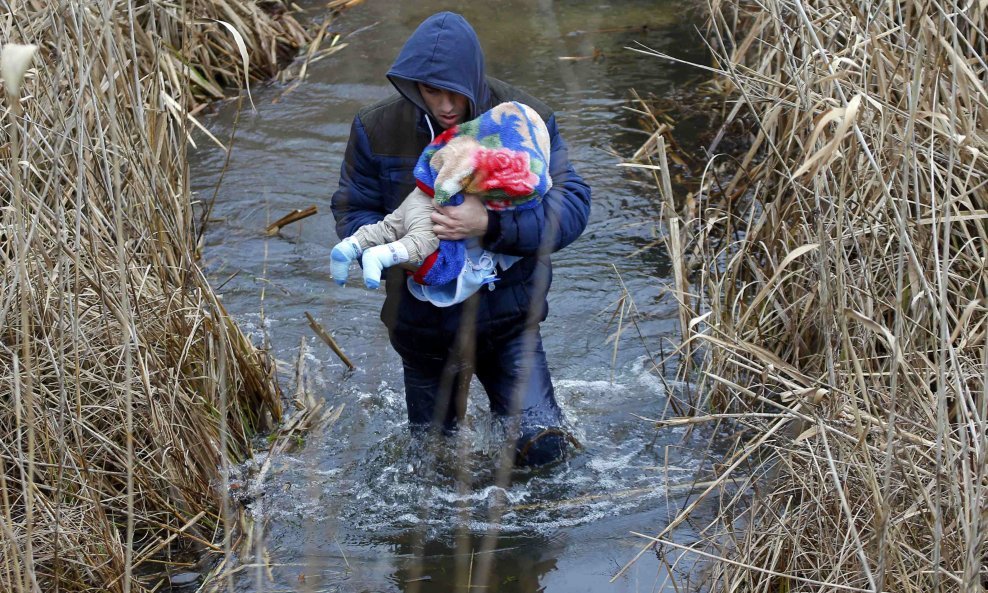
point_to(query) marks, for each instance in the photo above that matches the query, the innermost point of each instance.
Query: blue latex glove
(379, 257)
(342, 256)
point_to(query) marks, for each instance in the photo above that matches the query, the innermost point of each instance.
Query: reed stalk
(124, 385)
(854, 304)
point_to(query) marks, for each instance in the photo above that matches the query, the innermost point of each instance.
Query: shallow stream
(358, 507)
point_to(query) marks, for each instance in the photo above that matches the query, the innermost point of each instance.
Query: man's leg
(515, 375)
(430, 382)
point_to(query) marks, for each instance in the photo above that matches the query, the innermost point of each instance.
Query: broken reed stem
(674, 243)
(293, 216)
(328, 339)
(681, 286)
(23, 384)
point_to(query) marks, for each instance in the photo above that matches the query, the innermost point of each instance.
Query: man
(439, 75)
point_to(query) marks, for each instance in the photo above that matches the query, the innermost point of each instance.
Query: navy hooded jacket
(385, 141)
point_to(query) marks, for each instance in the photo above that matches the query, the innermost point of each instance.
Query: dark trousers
(514, 374)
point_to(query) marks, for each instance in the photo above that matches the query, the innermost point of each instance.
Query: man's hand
(469, 219)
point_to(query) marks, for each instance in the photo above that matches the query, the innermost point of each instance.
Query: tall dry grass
(841, 298)
(124, 385)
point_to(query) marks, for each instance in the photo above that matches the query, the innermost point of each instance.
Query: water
(360, 507)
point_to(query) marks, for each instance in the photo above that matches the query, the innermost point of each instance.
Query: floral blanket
(503, 156)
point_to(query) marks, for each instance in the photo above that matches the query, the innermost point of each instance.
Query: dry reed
(124, 385)
(843, 287)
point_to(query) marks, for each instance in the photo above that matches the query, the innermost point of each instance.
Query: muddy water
(358, 507)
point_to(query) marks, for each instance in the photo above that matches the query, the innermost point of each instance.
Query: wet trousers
(514, 373)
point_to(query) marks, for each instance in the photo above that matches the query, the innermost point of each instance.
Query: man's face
(447, 107)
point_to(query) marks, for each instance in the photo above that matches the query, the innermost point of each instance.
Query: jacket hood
(443, 52)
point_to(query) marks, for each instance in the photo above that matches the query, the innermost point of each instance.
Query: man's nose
(448, 102)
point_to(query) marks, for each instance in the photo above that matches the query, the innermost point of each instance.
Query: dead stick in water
(329, 340)
(293, 216)
(343, 4)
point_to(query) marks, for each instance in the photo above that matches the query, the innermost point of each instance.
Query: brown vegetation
(124, 385)
(841, 300)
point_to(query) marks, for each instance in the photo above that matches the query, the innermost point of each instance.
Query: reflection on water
(364, 507)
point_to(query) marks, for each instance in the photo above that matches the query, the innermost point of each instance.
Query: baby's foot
(379, 257)
(342, 256)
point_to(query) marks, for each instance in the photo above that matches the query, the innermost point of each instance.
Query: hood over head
(443, 52)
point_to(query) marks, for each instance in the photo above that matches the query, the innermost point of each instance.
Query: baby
(503, 156)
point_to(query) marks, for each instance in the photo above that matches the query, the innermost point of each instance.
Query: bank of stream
(358, 507)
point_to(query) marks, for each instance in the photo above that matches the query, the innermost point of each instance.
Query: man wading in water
(439, 75)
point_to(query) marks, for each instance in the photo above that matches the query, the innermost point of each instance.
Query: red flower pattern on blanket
(504, 169)
(445, 137)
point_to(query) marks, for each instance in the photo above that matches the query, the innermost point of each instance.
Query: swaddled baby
(503, 157)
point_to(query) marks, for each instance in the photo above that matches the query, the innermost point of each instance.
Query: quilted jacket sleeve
(359, 199)
(556, 223)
